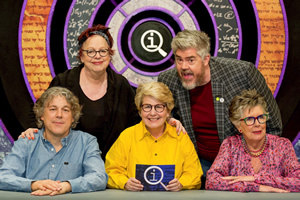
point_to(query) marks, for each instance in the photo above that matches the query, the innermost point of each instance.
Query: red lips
(256, 132)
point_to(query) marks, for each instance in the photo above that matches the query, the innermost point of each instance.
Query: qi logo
(150, 42)
(149, 35)
(150, 177)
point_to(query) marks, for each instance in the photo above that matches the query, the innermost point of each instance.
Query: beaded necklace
(254, 153)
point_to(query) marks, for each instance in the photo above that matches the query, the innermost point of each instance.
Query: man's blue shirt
(78, 162)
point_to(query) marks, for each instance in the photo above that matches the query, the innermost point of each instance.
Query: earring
(240, 131)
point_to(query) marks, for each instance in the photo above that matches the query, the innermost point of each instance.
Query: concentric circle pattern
(255, 31)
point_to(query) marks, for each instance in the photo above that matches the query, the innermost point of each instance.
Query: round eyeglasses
(249, 121)
(92, 53)
(158, 107)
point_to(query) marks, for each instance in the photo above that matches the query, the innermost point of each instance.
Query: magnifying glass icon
(156, 182)
(156, 47)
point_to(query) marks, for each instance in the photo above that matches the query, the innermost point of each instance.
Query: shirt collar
(64, 140)
(143, 132)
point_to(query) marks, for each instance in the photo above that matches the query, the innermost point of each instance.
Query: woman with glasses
(153, 142)
(107, 97)
(253, 161)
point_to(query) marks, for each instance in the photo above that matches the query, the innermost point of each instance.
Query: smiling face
(97, 63)
(153, 120)
(57, 117)
(257, 132)
(191, 69)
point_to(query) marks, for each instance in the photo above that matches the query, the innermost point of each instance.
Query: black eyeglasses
(158, 107)
(92, 53)
(249, 121)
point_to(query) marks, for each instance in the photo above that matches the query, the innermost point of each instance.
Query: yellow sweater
(136, 145)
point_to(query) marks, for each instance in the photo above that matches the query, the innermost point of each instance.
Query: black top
(93, 119)
(107, 117)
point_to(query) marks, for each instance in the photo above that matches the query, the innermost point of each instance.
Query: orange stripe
(34, 45)
(272, 40)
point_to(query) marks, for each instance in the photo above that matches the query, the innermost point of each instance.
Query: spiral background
(238, 30)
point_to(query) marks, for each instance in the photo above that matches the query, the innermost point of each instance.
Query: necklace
(257, 152)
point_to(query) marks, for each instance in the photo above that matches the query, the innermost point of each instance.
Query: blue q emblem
(155, 177)
(153, 180)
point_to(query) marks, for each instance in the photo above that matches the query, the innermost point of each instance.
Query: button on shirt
(78, 162)
(136, 145)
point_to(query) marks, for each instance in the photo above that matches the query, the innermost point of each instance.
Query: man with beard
(203, 87)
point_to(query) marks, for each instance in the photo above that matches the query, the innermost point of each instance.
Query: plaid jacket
(228, 78)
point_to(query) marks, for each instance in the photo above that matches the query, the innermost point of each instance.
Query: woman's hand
(265, 188)
(234, 179)
(179, 127)
(29, 133)
(174, 185)
(133, 185)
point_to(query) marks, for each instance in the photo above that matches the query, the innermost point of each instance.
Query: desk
(182, 195)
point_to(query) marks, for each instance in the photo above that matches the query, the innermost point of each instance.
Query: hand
(174, 185)
(265, 188)
(179, 127)
(133, 185)
(235, 179)
(29, 133)
(46, 185)
(65, 187)
(44, 193)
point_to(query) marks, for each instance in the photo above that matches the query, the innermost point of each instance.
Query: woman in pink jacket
(254, 161)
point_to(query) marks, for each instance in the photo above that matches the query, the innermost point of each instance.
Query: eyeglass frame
(107, 50)
(155, 107)
(255, 118)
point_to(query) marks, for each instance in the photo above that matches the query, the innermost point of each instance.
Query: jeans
(205, 164)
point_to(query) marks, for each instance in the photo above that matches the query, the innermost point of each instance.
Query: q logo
(153, 47)
(151, 178)
(150, 42)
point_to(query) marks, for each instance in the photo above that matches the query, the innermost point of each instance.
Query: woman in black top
(107, 97)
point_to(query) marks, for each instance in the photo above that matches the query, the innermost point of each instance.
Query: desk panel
(182, 195)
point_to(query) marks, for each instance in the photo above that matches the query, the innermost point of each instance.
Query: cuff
(257, 179)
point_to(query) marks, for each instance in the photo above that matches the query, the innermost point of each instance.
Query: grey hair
(48, 95)
(247, 100)
(192, 39)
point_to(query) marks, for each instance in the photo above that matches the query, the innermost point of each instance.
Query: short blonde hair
(48, 95)
(157, 90)
(247, 100)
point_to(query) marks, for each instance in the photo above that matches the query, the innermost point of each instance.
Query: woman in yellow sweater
(154, 143)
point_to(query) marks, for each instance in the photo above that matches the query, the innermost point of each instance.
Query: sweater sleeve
(289, 167)
(222, 168)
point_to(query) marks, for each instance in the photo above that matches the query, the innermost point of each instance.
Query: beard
(189, 85)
